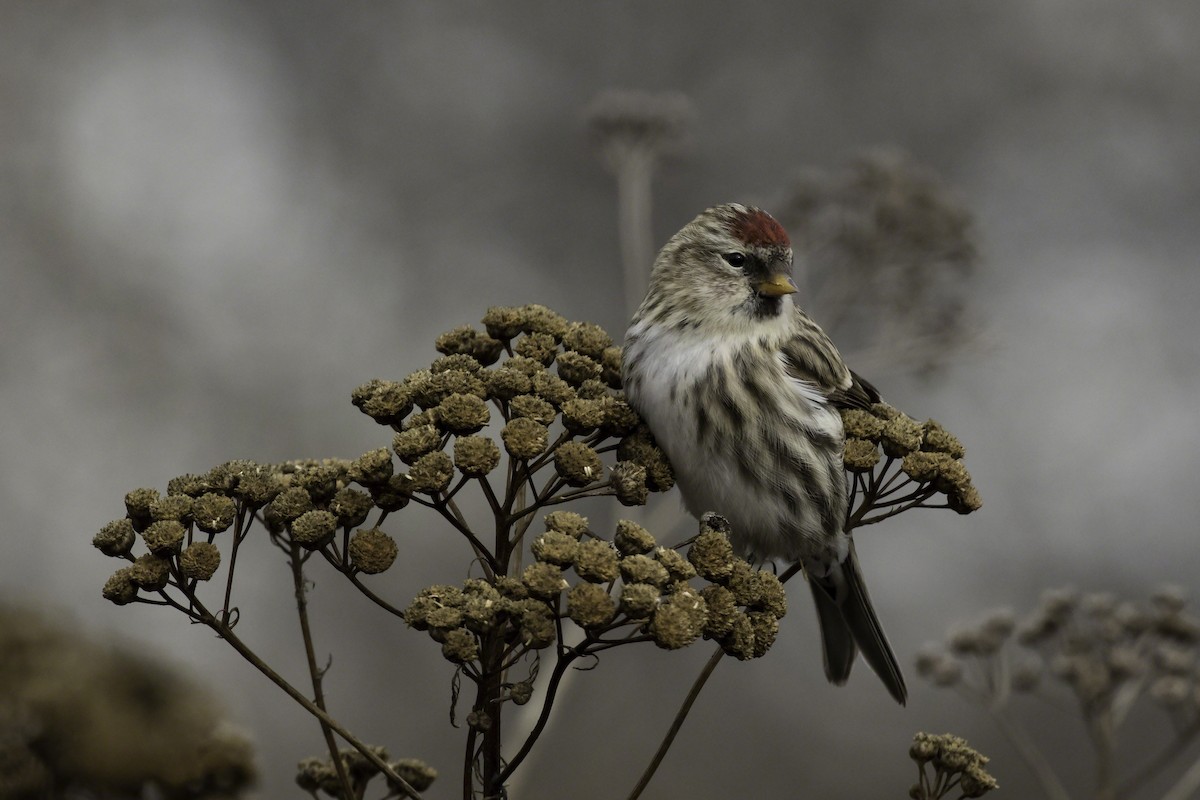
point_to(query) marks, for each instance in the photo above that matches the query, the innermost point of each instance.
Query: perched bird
(741, 389)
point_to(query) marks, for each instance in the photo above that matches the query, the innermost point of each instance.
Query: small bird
(741, 389)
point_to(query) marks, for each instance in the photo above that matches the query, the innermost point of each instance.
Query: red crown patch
(758, 228)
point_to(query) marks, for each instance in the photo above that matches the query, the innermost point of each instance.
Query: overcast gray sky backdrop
(219, 218)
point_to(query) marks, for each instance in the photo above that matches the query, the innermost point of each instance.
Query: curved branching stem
(225, 632)
(677, 723)
(315, 673)
(1155, 765)
(560, 668)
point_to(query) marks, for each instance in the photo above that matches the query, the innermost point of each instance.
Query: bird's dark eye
(737, 260)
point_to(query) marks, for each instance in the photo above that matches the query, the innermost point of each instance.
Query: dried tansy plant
(525, 416)
(1110, 656)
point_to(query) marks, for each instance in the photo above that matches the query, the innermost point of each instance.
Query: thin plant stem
(1033, 757)
(560, 668)
(1159, 761)
(680, 716)
(314, 672)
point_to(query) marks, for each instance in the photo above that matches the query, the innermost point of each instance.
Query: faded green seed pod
(199, 561)
(431, 473)
(213, 512)
(860, 455)
(555, 548)
(372, 551)
(540, 347)
(587, 338)
(632, 539)
(164, 537)
(676, 565)
(643, 569)
(475, 456)
(119, 588)
(859, 424)
(460, 646)
(415, 442)
(596, 561)
(567, 522)
(532, 407)
(575, 368)
(150, 572)
(371, 468)
(629, 483)
(638, 600)
(722, 611)
(581, 417)
(504, 322)
(116, 538)
(589, 606)
(461, 414)
(313, 529)
(578, 464)
(543, 580)
(524, 438)
(901, 436)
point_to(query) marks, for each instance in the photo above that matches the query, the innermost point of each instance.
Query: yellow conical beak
(776, 285)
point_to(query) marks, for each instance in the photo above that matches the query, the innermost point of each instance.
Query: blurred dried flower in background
(884, 252)
(1109, 655)
(957, 769)
(80, 718)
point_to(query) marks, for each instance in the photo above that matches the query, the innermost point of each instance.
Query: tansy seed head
(460, 646)
(555, 548)
(578, 464)
(712, 554)
(415, 442)
(386, 402)
(164, 537)
(313, 529)
(543, 580)
(351, 507)
(596, 561)
(525, 365)
(620, 419)
(119, 588)
(457, 361)
(213, 512)
(739, 642)
(567, 522)
(629, 483)
(679, 620)
(575, 368)
(638, 600)
(766, 630)
(431, 473)
(676, 565)
(860, 455)
(541, 347)
(939, 440)
(372, 551)
(504, 322)
(901, 436)
(589, 606)
(506, 383)
(610, 362)
(371, 467)
(581, 417)
(466, 341)
(524, 438)
(534, 408)
(393, 495)
(462, 414)
(552, 389)
(199, 561)
(859, 424)
(150, 572)
(632, 539)
(586, 338)
(137, 505)
(722, 611)
(539, 319)
(475, 456)
(116, 538)
(640, 448)
(416, 773)
(176, 506)
(643, 569)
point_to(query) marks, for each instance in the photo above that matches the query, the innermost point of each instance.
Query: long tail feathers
(849, 623)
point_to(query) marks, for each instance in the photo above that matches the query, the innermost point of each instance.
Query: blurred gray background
(219, 218)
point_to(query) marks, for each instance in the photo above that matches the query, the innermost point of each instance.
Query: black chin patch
(762, 307)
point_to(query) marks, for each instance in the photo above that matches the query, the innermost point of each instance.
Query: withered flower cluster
(320, 775)
(957, 770)
(1109, 654)
(897, 463)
